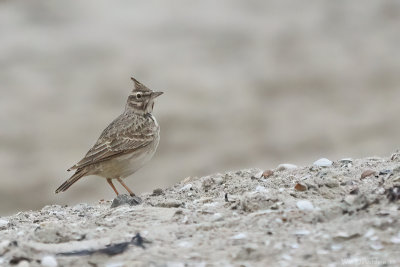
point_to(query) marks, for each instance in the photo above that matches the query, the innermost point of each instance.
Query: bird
(128, 143)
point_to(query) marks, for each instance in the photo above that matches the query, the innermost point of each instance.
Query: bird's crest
(139, 86)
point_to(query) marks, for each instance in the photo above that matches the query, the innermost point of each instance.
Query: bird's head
(141, 100)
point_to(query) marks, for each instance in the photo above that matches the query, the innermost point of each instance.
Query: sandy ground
(342, 214)
(247, 84)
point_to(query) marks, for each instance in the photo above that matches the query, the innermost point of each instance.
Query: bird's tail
(77, 175)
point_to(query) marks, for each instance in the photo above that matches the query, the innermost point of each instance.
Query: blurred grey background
(247, 83)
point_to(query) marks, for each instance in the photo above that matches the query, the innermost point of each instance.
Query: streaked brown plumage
(125, 145)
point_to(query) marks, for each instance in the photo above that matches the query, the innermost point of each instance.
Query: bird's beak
(156, 94)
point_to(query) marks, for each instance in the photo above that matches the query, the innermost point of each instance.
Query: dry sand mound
(344, 213)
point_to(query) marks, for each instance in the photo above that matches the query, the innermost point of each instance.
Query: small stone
(369, 233)
(393, 194)
(305, 205)
(185, 244)
(253, 201)
(336, 247)
(157, 192)
(4, 246)
(207, 182)
(126, 199)
(3, 224)
(258, 175)
(354, 191)
(381, 191)
(323, 162)
(170, 204)
(219, 180)
(350, 199)
(396, 179)
(395, 239)
(376, 245)
(217, 217)
(385, 172)
(261, 189)
(52, 232)
(239, 236)
(346, 161)
(286, 257)
(331, 183)
(186, 188)
(395, 155)
(302, 232)
(300, 187)
(346, 236)
(267, 173)
(367, 173)
(49, 261)
(286, 166)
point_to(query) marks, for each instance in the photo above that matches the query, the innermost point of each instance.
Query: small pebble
(49, 261)
(354, 191)
(170, 204)
(346, 160)
(3, 224)
(261, 189)
(395, 156)
(259, 175)
(396, 179)
(4, 246)
(302, 232)
(305, 205)
(367, 173)
(376, 245)
(267, 173)
(217, 217)
(331, 183)
(346, 236)
(185, 244)
(125, 199)
(323, 163)
(219, 180)
(157, 192)
(381, 191)
(286, 166)
(239, 236)
(300, 187)
(336, 247)
(385, 172)
(395, 239)
(350, 199)
(186, 188)
(369, 233)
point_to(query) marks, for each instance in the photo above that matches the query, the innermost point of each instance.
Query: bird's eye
(139, 95)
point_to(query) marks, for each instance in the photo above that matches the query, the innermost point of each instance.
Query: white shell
(323, 163)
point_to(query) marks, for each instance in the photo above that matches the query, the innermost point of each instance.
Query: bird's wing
(117, 139)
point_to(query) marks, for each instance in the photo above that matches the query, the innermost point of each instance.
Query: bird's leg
(126, 187)
(112, 185)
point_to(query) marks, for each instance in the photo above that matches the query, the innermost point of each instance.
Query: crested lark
(125, 145)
